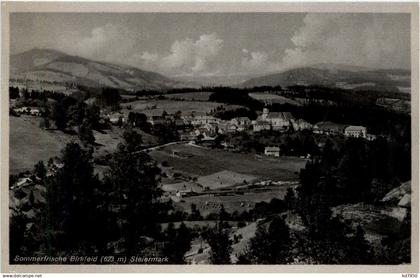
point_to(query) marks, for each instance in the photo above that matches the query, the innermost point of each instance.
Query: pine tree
(220, 244)
(133, 178)
(178, 242)
(270, 245)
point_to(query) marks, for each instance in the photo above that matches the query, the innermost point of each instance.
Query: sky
(219, 44)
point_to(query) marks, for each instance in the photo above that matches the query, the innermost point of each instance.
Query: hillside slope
(50, 66)
(346, 77)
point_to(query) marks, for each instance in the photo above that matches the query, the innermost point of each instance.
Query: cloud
(354, 39)
(257, 62)
(186, 56)
(113, 43)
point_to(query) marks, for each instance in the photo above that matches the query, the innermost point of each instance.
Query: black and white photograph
(210, 138)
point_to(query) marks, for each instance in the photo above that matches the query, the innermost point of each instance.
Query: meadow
(156, 107)
(29, 144)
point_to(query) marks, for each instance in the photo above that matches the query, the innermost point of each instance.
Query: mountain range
(47, 66)
(333, 75)
(51, 66)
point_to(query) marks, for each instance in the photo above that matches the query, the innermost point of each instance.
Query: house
(28, 110)
(272, 151)
(211, 127)
(35, 112)
(188, 136)
(116, 118)
(179, 123)
(157, 120)
(355, 131)
(202, 120)
(300, 124)
(328, 128)
(261, 125)
(370, 137)
(232, 128)
(278, 120)
(187, 119)
(240, 121)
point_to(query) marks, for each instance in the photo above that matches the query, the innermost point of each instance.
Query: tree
(290, 199)
(93, 115)
(270, 245)
(76, 114)
(86, 134)
(13, 92)
(47, 124)
(39, 170)
(166, 133)
(138, 120)
(133, 179)
(71, 205)
(195, 213)
(360, 250)
(133, 141)
(59, 116)
(109, 97)
(220, 244)
(178, 242)
(42, 124)
(17, 236)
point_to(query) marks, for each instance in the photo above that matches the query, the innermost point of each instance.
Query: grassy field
(108, 140)
(192, 96)
(224, 179)
(30, 144)
(203, 162)
(273, 98)
(210, 203)
(218, 169)
(156, 107)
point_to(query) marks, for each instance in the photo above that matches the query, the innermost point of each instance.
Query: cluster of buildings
(207, 126)
(33, 111)
(278, 121)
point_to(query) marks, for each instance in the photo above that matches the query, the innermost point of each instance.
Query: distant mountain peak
(336, 75)
(50, 66)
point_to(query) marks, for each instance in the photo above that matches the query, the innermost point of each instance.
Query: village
(197, 133)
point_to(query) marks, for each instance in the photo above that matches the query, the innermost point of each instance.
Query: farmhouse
(188, 136)
(240, 121)
(28, 110)
(157, 120)
(179, 123)
(300, 124)
(114, 118)
(355, 131)
(328, 128)
(202, 120)
(272, 151)
(370, 137)
(261, 125)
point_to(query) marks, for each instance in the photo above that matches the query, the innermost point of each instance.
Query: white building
(202, 120)
(300, 124)
(261, 125)
(272, 151)
(355, 131)
(278, 120)
(240, 121)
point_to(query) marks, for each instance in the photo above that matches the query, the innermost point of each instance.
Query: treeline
(69, 112)
(376, 119)
(217, 89)
(86, 216)
(358, 172)
(221, 113)
(291, 143)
